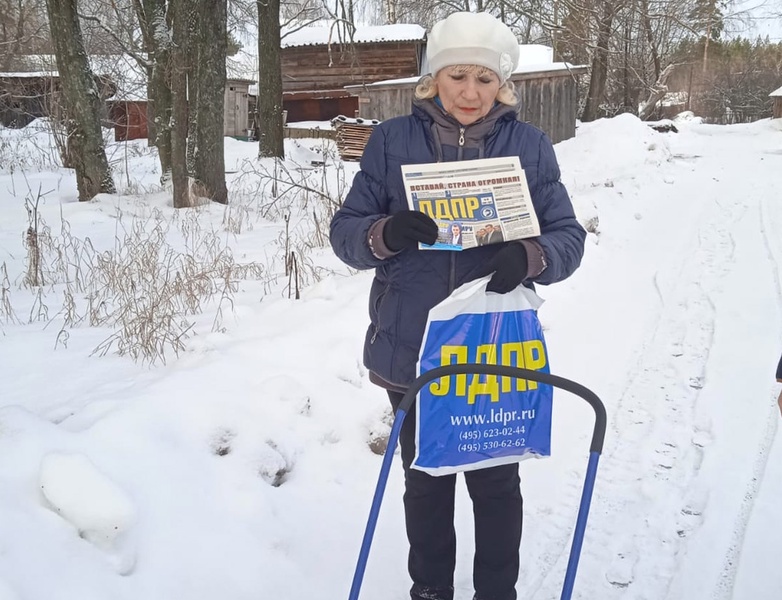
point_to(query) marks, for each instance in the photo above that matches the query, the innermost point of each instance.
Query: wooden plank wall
(311, 68)
(384, 103)
(129, 120)
(549, 102)
(777, 110)
(319, 109)
(301, 132)
(23, 99)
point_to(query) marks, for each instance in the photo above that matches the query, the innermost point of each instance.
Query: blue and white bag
(467, 422)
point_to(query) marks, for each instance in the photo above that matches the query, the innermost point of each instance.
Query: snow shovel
(595, 448)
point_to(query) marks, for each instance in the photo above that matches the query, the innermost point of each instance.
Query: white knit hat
(465, 38)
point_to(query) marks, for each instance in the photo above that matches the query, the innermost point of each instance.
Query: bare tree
(600, 58)
(155, 22)
(23, 29)
(178, 10)
(81, 102)
(269, 80)
(211, 44)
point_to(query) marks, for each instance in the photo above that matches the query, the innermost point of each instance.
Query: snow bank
(95, 505)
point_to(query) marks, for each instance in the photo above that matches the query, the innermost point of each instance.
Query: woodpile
(352, 135)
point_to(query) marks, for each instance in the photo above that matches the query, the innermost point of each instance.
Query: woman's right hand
(407, 228)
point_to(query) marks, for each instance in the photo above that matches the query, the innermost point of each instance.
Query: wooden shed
(548, 93)
(318, 62)
(128, 116)
(236, 121)
(129, 119)
(26, 96)
(776, 109)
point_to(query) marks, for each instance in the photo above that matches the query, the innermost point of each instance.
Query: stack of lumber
(352, 135)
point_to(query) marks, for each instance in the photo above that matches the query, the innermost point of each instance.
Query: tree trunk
(161, 101)
(712, 7)
(210, 152)
(391, 12)
(658, 91)
(647, 22)
(599, 74)
(156, 27)
(179, 26)
(81, 101)
(192, 47)
(269, 80)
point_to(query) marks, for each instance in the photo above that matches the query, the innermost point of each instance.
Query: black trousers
(429, 518)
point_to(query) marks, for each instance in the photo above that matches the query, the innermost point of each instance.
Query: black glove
(408, 227)
(510, 268)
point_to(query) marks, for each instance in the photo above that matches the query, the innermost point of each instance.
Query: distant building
(319, 61)
(31, 94)
(25, 96)
(776, 109)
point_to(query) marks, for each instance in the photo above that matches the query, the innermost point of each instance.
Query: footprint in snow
(620, 571)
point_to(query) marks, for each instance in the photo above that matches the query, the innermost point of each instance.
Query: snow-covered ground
(242, 467)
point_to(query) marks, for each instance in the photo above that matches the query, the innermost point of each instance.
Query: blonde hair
(427, 86)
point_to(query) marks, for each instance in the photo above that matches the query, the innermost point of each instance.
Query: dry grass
(165, 269)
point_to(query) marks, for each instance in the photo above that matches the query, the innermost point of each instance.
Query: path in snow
(651, 500)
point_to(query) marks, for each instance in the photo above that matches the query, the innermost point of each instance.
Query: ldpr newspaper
(473, 202)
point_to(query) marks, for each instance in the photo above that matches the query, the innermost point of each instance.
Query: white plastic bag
(467, 422)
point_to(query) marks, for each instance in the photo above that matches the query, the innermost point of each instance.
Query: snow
(535, 54)
(242, 467)
(776, 93)
(128, 76)
(523, 67)
(100, 511)
(325, 34)
(29, 74)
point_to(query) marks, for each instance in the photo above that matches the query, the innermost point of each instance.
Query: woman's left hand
(510, 268)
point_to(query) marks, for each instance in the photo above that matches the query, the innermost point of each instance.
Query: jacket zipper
(452, 274)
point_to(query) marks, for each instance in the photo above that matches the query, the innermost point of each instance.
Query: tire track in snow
(544, 581)
(723, 590)
(655, 430)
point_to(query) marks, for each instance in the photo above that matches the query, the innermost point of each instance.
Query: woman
(465, 109)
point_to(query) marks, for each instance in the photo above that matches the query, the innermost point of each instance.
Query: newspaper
(473, 202)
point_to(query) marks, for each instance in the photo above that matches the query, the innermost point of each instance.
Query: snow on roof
(674, 99)
(545, 67)
(776, 93)
(321, 35)
(29, 74)
(532, 57)
(127, 75)
(532, 68)
(243, 65)
(535, 54)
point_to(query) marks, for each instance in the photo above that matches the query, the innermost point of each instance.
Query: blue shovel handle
(596, 447)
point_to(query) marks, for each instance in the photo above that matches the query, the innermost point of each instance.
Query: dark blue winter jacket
(409, 284)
